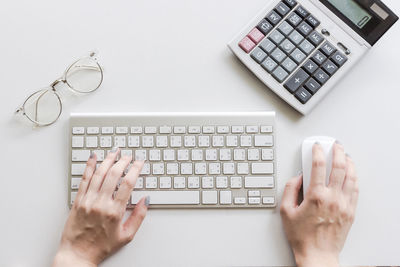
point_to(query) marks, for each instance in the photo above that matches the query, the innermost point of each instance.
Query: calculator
(301, 48)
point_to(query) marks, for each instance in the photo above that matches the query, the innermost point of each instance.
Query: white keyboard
(193, 160)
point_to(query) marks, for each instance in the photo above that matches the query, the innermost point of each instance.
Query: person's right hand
(318, 227)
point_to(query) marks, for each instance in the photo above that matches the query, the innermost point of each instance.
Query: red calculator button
(246, 44)
(256, 36)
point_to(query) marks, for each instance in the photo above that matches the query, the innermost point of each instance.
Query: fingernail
(299, 173)
(114, 149)
(348, 155)
(338, 142)
(147, 201)
(317, 143)
(91, 155)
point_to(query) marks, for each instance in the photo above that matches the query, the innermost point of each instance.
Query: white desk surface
(172, 56)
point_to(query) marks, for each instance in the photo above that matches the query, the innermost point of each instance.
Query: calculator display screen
(352, 11)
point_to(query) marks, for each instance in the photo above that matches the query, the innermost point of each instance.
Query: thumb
(291, 193)
(132, 224)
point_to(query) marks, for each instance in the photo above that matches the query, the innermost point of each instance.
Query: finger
(102, 170)
(291, 193)
(338, 171)
(136, 218)
(350, 185)
(318, 171)
(86, 177)
(113, 175)
(128, 182)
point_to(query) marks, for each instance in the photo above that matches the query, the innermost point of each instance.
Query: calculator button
(290, 3)
(276, 37)
(304, 28)
(296, 37)
(285, 28)
(296, 81)
(297, 56)
(273, 17)
(246, 44)
(280, 74)
(329, 67)
(278, 55)
(287, 46)
(294, 19)
(312, 21)
(303, 95)
(267, 45)
(258, 55)
(315, 38)
(339, 59)
(319, 57)
(328, 49)
(282, 9)
(306, 47)
(289, 65)
(256, 36)
(312, 86)
(302, 12)
(269, 64)
(264, 26)
(321, 76)
(310, 66)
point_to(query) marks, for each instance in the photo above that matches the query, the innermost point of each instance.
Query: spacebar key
(167, 197)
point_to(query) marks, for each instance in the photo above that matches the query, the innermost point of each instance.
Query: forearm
(316, 261)
(67, 259)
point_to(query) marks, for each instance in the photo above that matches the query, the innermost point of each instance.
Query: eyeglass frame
(62, 79)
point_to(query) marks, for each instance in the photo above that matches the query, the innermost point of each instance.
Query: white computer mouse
(306, 151)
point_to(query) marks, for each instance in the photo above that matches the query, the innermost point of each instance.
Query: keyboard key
(99, 154)
(193, 182)
(179, 182)
(200, 168)
(252, 129)
(136, 130)
(339, 59)
(121, 130)
(310, 66)
(290, 3)
(329, 67)
(92, 130)
(315, 38)
(77, 141)
(268, 200)
(282, 9)
(273, 17)
(75, 183)
(259, 182)
(167, 197)
(296, 81)
(165, 182)
(78, 130)
(258, 55)
(294, 19)
(319, 58)
(253, 154)
(256, 36)
(254, 193)
(120, 141)
(239, 154)
(302, 95)
(91, 141)
(236, 182)
(107, 130)
(223, 129)
(328, 49)
(263, 140)
(150, 130)
(208, 129)
(302, 12)
(289, 65)
(321, 76)
(285, 28)
(262, 168)
(179, 129)
(221, 182)
(280, 74)
(287, 46)
(231, 141)
(246, 44)
(269, 65)
(240, 200)
(228, 168)
(264, 26)
(304, 28)
(237, 129)
(254, 200)
(165, 129)
(296, 37)
(266, 129)
(276, 37)
(242, 167)
(306, 47)
(267, 45)
(267, 154)
(77, 169)
(80, 155)
(209, 197)
(312, 21)
(225, 197)
(278, 55)
(312, 86)
(194, 129)
(297, 56)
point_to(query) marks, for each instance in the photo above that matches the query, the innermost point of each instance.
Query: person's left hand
(95, 227)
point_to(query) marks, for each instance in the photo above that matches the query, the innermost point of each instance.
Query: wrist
(68, 258)
(316, 259)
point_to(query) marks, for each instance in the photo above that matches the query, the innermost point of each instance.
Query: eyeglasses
(44, 107)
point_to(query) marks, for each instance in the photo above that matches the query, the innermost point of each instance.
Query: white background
(172, 56)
